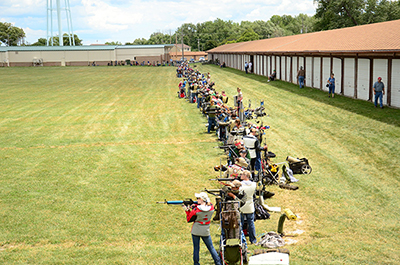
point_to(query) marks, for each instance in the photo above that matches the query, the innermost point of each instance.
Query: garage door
(265, 60)
(277, 66)
(288, 69)
(380, 70)
(317, 72)
(349, 79)
(337, 69)
(282, 68)
(295, 69)
(363, 83)
(273, 66)
(326, 72)
(395, 90)
(309, 71)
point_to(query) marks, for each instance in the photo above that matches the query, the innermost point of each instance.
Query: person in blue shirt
(331, 85)
(379, 91)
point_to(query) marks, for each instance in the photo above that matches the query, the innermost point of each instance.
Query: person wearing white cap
(200, 215)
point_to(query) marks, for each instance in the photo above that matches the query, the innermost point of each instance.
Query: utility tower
(58, 8)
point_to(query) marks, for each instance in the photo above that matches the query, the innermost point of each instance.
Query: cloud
(15, 8)
(34, 35)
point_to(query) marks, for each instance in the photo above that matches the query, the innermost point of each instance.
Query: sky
(100, 21)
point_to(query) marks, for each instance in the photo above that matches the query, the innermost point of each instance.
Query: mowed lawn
(85, 152)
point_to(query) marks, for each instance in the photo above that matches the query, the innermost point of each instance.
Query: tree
(264, 29)
(113, 43)
(379, 11)
(159, 38)
(10, 35)
(332, 14)
(210, 44)
(41, 42)
(139, 41)
(248, 35)
(66, 41)
(189, 33)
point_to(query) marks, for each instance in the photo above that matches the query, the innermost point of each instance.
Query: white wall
(309, 70)
(395, 89)
(349, 78)
(273, 65)
(317, 72)
(337, 70)
(288, 68)
(326, 72)
(363, 82)
(295, 69)
(380, 70)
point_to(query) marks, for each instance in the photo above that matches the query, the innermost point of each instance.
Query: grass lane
(85, 157)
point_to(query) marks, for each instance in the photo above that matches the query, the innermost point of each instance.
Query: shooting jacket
(241, 197)
(201, 216)
(252, 143)
(249, 188)
(234, 171)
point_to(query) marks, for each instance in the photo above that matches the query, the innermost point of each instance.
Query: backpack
(260, 213)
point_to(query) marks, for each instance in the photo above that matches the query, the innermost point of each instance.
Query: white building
(82, 55)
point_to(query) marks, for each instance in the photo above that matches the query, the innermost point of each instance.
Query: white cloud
(33, 35)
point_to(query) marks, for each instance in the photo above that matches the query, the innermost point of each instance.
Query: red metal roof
(379, 37)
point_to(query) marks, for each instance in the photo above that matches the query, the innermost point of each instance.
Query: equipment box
(274, 258)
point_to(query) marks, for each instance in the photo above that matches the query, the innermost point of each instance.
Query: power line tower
(58, 8)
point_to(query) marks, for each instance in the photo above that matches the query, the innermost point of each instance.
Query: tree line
(330, 14)
(210, 34)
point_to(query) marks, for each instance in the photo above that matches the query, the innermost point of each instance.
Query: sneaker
(382, 107)
(268, 81)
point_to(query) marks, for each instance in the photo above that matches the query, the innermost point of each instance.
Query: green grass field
(85, 152)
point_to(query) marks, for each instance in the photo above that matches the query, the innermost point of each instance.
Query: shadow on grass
(365, 108)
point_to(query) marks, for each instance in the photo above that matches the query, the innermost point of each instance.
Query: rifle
(188, 202)
(215, 192)
(224, 179)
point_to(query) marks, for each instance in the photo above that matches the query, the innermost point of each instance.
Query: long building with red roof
(356, 55)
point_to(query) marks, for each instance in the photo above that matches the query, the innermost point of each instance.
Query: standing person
(224, 97)
(247, 210)
(211, 116)
(200, 215)
(331, 83)
(301, 74)
(239, 96)
(250, 66)
(253, 144)
(234, 193)
(379, 91)
(239, 100)
(246, 66)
